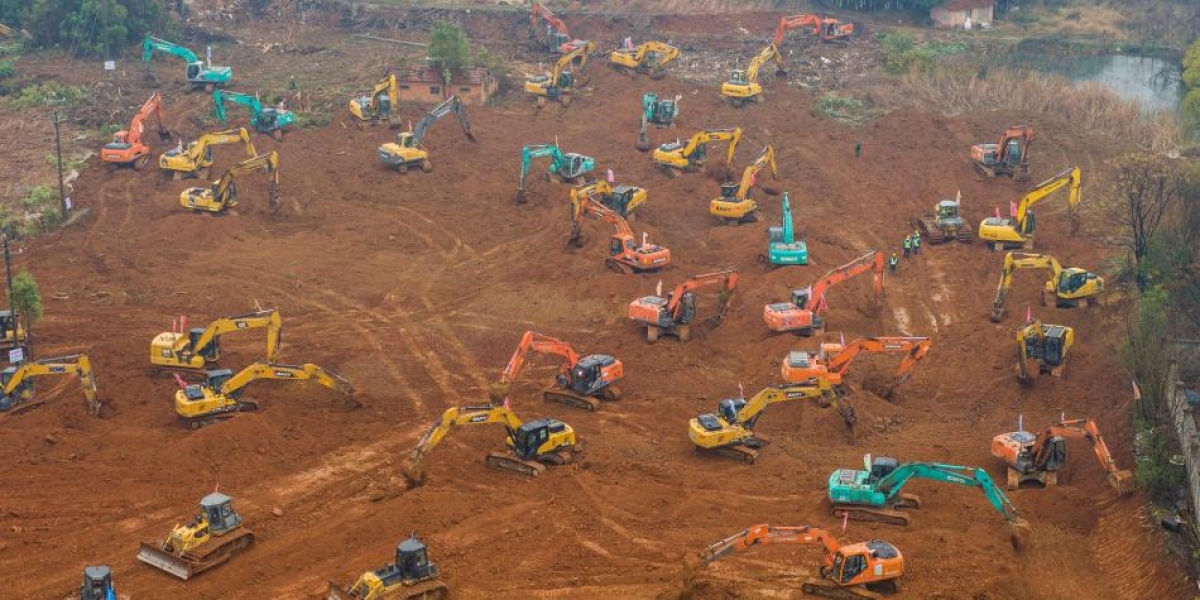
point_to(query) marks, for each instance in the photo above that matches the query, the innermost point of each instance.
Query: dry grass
(1090, 106)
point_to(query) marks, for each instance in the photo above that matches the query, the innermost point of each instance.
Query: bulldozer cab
(218, 510)
(412, 559)
(97, 584)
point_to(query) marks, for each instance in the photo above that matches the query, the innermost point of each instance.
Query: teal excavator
(876, 494)
(199, 73)
(660, 112)
(782, 246)
(565, 167)
(271, 120)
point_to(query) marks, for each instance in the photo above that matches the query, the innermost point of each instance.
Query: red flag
(1028, 314)
(1012, 208)
(741, 391)
(821, 306)
(845, 520)
(179, 380)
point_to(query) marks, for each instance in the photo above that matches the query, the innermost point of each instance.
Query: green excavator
(270, 120)
(200, 73)
(876, 494)
(782, 246)
(658, 112)
(565, 167)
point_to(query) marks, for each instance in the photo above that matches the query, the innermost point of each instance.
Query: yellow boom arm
(766, 159)
(461, 415)
(16, 386)
(1070, 176)
(771, 52)
(1020, 260)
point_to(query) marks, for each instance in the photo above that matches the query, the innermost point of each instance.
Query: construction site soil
(417, 288)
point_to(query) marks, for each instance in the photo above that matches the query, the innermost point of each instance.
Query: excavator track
(570, 399)
(618, 266)
(965, 235)
(828, 589)
(209, 419)
(930, 231)
(738, 452)
(212, 553)
(865, 513)
(425, 590)
(512, 464)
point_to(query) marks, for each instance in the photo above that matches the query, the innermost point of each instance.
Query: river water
(1152, 82)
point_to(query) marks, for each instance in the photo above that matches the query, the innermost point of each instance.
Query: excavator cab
(881, 466)
(193, 70)
(530, 436)
(729, 191)
(1073, 279)
(587, 373)
(730, 407)
(620, 199)
(210, 352)
(11, 332)
(738, 77)
(800, 297)
(97, 584)
(851, 561)
(1054, 345)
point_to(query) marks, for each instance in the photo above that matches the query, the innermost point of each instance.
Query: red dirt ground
(416, 288)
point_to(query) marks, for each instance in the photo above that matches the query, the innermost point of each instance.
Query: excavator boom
(1018, 230)
(194, 349)
(220, 396)
(222, 194)
(802, 314)
(18, 394)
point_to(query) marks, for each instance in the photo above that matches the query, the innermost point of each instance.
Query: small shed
(954, 13)
(424, 84)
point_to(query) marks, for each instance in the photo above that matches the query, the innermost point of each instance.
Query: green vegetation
(43, 208)
(902, 54)
(42, 94)
(448, 48)
(102, 27)
(842, 108)
(874, 5)
(26, 297)
(1191, 79)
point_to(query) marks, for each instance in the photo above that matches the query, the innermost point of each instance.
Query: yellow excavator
(1067, 286)
(220, 396)
(560, 83)
(377, 106)
(210, 539)
(17, 381)
(650, 57)
(676, 156)
(743, 86)
(1043, 350)
(222, 194)
(1017, 231)
(197, 347)
(531, 445)
(408, 151)
(12, 333)
(412, 576)
(735, 206)
(730, 431)
(621, 199)
(189, 161)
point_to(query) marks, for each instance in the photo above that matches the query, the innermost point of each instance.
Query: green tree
(26, 298)
(91, 26)
(449, 50)
(1145, 351)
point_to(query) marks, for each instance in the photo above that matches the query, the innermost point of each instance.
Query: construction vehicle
(17, 394)
(827, 29)
(692, 155)
(12, 333)
(553, 37)
(650, 58)
(210, 539)
(782, 246)
(222, 193)
(9, 32)
(581, 382)
(220, 396)
(565, 167)
(946, 223)
(270, 120)
(730, 432)
(831, 363)
(1040, 457)
(531, 445)
(850, 570)
(411, 576)
(877, 493)
(97, 584)
(1009, 157)
(198, 155)
(743, 85)
(621, 199)
(673, 315)
(803, 314)
(561, 82)
(625, 254)
(735, 206)
(1043, 350)
(127, 148)
(195, 348)
(1067, 286)
(199, 73)
(658, 112)
(408, 151)
(1017, 231)
(378, 104)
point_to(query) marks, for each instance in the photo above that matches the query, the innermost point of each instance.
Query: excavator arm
(750, 175)
(914, 347)
(1020, 260)
(581, 52)
(869, 262)
(222, 96)
(771, 52)
(186, 347)
(229, 136)
(1068, 177)
(789, 23)
(733, 136)
(893, 483)
(152, 108)
(460, 415)
(748, 415)
(234, 386)
(727, 279)
(766, 535)
(76, 364)
(1085, 429)
(451, 105)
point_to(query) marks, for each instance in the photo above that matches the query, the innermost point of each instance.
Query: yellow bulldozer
(213, 537)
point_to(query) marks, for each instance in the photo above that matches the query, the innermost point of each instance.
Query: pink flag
(997, 212)
(1137, 393)
(741, 391)
(179, 380)
(1012, 208)
(1028, 314)
(845, 520)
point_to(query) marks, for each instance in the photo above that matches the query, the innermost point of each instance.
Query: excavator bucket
(1020, 534)
(1122, 481)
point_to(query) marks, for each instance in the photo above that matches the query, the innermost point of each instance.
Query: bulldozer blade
(163, 560)
(1122, 481)
(337, 592)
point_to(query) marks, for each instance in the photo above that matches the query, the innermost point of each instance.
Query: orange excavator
(850, 570)
(674, 314)
(832, 363)
(625, 254)
(802, 314)
(127, 148)
(1039, 457)
(554, 36)
(1010, 157)
(827, 29)
(581, 381)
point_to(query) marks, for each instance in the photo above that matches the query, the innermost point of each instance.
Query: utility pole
(62, 188)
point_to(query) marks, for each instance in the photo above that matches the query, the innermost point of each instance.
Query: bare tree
(1144, 188)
